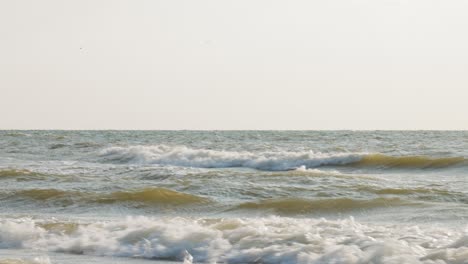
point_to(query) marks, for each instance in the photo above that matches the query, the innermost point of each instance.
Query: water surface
(234, 196)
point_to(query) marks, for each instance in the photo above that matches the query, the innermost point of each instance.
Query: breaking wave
(269, 161)
(204, 158)
(239, 240)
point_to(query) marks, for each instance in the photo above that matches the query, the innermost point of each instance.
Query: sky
(243, 64)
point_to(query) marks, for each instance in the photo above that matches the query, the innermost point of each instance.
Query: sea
(234, 197)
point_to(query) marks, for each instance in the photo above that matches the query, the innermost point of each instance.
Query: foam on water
(251, 240)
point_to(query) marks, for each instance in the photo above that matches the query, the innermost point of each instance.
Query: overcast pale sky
(243, 64)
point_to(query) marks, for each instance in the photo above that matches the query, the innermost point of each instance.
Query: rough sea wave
(269, 161)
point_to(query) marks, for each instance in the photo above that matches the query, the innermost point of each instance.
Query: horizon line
(111, 129)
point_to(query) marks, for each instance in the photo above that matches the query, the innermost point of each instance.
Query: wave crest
(268, 161)
(204, 158)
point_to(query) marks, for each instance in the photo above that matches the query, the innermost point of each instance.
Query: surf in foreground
(242, 240)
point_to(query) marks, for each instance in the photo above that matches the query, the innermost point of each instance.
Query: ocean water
(233, 197)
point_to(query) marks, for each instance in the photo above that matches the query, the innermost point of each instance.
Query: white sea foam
(251, 240)
(204, 158)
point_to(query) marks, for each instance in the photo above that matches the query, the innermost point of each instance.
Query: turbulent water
(233, 196)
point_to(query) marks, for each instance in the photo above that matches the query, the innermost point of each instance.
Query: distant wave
(79, 145)
(290, 206)
(152, 196)
(204, 158)
(268, 161)
(405, 191)
(23, 175)
(158, 197)
(237, 240)
(36, 260)
(166, 197)
(6, 173)
(410, 161)
(146, 196)
(15, 134)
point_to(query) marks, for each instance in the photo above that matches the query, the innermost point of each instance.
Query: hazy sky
(240, 64)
